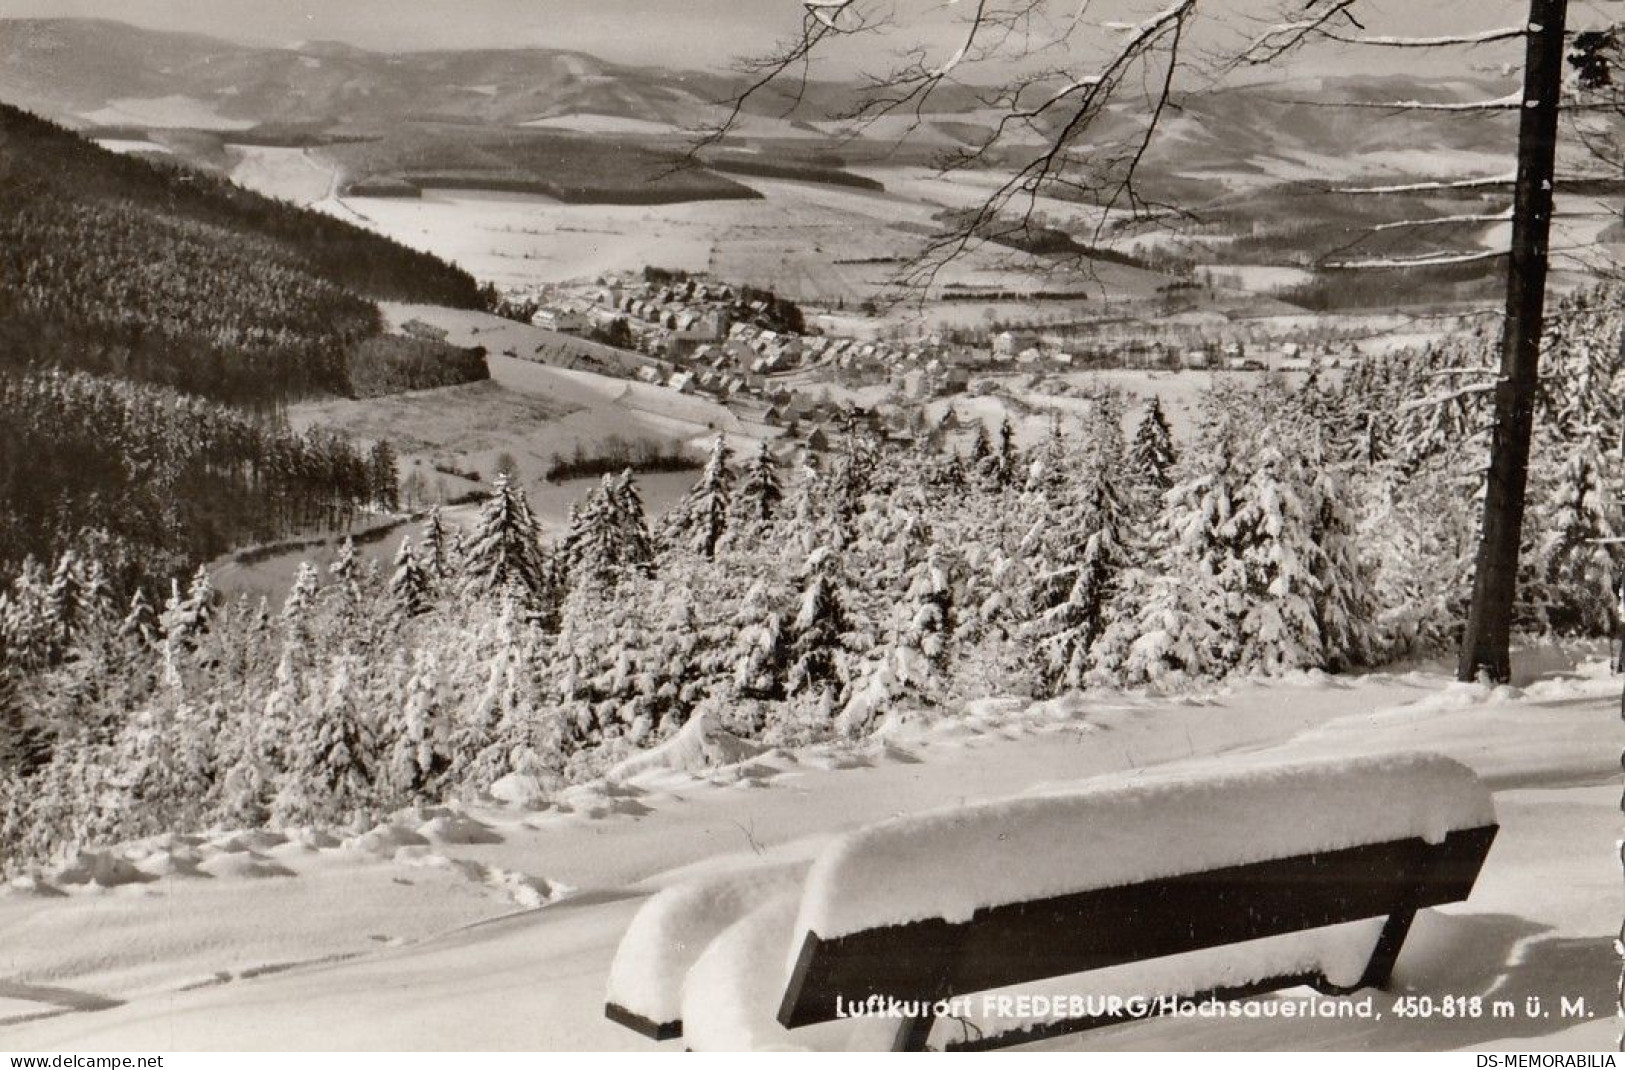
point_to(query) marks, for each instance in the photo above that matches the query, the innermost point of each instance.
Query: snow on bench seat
(949, 864)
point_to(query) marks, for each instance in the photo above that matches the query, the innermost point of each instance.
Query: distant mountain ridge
(86, 72)
(97, 73)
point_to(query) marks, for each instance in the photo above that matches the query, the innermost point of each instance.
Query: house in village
(563, 320)
(752, 410)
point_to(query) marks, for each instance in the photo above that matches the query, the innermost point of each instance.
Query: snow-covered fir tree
(504, 559)
(349, 575)
(609, 535)
(64, 607)
(818, 662)
(760, 655)
(1066, 630)
(332, 754)
(140, 623)
(416, 731)
(1151, 456)
(701, 521)
(437, 542)
(1004, 464)
(760, 490)
(1180, 611)
(409, 583)
(1575, 565)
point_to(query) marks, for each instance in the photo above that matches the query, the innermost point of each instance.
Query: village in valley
(803, 374)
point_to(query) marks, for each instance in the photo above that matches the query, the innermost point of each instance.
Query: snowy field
(173, 111)
(492, 926)
(813, 243)
(291, 174)
(528, 413)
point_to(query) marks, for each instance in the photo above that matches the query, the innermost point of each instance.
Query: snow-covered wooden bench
(1219, 886)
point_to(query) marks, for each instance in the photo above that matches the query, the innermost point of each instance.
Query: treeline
(152, 483)
(35, 149)
(394, 363)
(962, 294)
(115, 271)
(455, 154)
(1447, 284)
(790, 169)
(614, 455)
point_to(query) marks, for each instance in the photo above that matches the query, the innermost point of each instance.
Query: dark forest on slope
(153, 323)
(110, 263)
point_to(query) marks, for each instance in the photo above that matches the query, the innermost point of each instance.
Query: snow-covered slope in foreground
(440, 955)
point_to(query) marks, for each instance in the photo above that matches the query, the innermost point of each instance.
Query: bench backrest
(1015, 943)
(981, 897)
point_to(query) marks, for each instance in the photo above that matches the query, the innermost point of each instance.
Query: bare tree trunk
(1484, 648)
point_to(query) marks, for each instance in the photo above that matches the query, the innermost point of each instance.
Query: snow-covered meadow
(494, 925)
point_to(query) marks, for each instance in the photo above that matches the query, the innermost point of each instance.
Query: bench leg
(913, 1033)
(1383, 956)
(1386, 953)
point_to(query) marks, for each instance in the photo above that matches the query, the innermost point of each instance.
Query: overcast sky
(677, 33)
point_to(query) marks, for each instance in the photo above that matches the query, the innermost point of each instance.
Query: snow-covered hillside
(495, 926)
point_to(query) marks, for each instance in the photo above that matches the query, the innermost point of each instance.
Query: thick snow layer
(385, 840)
(102, 869)
(451, 828)
(733, 936)
(251, 840)
(525, 890)
(697, 746)
(731, 994)
(29, 887)
(675, 925)
(243, 865)
(951, 863)
(522, 791)
(598, 800)
(731, 998)
(176, 861)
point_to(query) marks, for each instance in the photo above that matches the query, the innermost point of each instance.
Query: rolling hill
(110, 263)
(1259, 167)
(154, 321)
(90, 73)
(101, 75)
